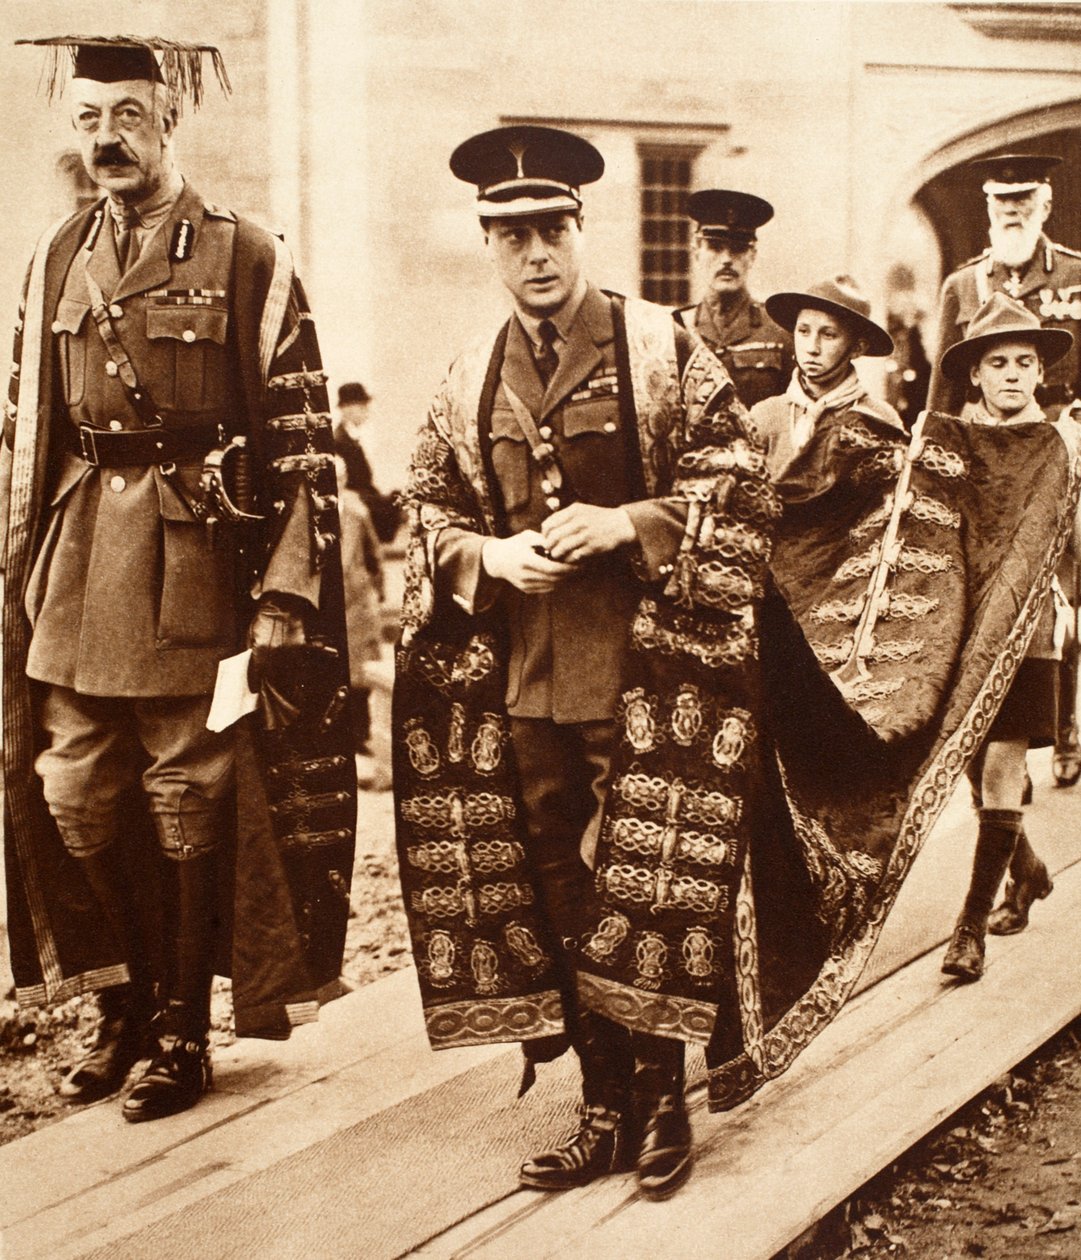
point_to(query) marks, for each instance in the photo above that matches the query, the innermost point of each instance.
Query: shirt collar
(154, 209)
(563, 319)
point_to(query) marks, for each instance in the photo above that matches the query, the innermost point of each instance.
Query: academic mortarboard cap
(1015, 172)
(1001, 318)
(724, 212)
(524, 170)
(117, 58)
(840, 296)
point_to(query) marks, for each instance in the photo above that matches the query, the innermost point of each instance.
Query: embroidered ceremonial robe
(213, 319)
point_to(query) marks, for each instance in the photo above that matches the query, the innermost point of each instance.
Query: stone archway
(950, 199)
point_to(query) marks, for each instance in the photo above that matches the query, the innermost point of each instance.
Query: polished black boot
(122, 1036)
(664, 1155)
(999, 830)
(179, 1072)
(600, 1143)
(1029, 881)
(121, 1039)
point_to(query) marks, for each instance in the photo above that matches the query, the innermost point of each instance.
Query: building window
(666, 172)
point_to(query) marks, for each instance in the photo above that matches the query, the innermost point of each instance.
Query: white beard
(1014, 246)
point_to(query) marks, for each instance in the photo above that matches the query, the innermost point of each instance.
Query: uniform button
(761, 363)
(547, 486)
(610, 426)
(552, 501)
(110, 368)
(545, 431)
(189, 335)
(57, 326)
(117, 483)
(114, 425)
(116, 312)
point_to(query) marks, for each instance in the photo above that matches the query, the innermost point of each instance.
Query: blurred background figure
(353, 403)
(908, 371)
(362, 569)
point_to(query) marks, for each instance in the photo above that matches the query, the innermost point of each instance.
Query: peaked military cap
(839, 295)
(523, 170)
(1001, 318)
(116, 58)
(724, 212)
(1015, 172)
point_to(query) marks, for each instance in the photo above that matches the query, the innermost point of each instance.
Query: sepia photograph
(540, 563)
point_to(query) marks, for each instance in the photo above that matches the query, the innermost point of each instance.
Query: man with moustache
(756, 352)
(163, 345)
(545, 507)
(1021, 262)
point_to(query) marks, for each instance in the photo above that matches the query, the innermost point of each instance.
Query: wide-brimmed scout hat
(1000, 318)
(524, 170)
(1006, 173)
(726, 214)
(117, 58)
(840, 295)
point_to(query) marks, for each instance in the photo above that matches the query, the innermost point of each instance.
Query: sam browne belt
(111, 448)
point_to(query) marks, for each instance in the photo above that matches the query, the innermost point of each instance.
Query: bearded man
(1022, 263)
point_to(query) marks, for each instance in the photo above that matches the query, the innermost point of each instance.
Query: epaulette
(971, 262)
(218, 212)
(1065, 249)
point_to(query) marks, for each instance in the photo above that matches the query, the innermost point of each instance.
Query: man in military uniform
(1045, 277)
(541, 495)
(156, 328)
(1021, 262)
(756, 352)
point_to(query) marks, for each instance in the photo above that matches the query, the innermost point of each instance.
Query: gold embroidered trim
(663, 889)
(450, 811)
(446, 856)
(448, 903)
(476, 1022)
(945, 463)
(932, 512)
(665, 1015)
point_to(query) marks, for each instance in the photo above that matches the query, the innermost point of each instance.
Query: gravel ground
(38, 1046)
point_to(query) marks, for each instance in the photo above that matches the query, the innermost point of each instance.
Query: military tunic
(111, 587)
(757, 352)
(1049, 286)
(568, 647)
(127, 597)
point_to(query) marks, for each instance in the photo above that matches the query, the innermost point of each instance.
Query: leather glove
(278, 623)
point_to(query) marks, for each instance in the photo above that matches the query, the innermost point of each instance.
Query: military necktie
(127, 239)
(547, 358)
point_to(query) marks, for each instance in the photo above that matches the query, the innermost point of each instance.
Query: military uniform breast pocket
(188, 353)
(510, 459)
(756, 357)
(592, 450)
(68, 326)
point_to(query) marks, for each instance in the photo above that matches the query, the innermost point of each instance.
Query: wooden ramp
(354, 1140)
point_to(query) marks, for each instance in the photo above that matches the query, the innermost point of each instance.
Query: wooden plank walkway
(353, 1139)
